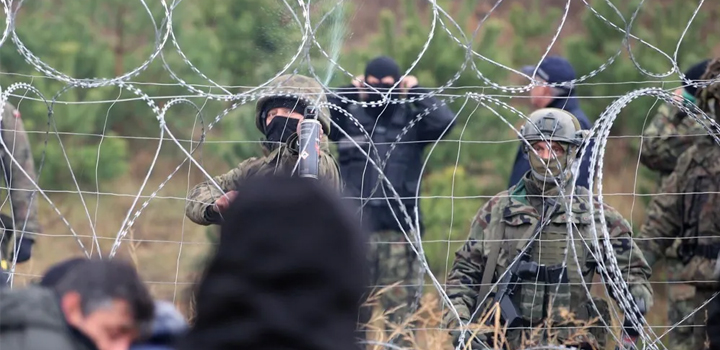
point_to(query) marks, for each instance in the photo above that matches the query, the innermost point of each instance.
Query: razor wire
(441, 23)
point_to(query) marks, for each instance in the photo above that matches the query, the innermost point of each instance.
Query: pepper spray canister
(309, 150)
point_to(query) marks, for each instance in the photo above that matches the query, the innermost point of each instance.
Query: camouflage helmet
(552, 124)
(709, 96)
(294, 86)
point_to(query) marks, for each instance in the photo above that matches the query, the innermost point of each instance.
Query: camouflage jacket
(508, 219)
(687, 208)
(282, 160)
(22, 192)
(670, 133)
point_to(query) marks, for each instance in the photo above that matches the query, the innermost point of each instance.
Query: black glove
(23, 249)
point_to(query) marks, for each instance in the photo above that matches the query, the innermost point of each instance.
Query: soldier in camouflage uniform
(671, 132)
(278, 117)
(688, 210)
(19, 229)
(507, 223)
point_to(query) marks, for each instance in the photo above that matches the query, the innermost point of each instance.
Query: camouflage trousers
(395, 283)
(684, 299)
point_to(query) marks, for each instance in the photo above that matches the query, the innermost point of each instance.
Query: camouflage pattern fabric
(684, 300)
(297, 86)
(686, 211)
(23, 198)
(670, 133)
(708, 98)
(509, 218)
(392, 261)
(280, 161)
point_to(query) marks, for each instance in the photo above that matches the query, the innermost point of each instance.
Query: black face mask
(385, 108)
(382, 88)
(279, 131)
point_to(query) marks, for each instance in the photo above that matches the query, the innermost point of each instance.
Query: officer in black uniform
(391, 257)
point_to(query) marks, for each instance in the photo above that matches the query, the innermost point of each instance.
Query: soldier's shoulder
(484, 214)
(710, 157)
(667, 109)
(497, 200)
(253, 162)
(697, 153)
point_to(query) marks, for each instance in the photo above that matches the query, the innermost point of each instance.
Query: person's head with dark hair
(106, 301)
(289, 272)
(58, 271)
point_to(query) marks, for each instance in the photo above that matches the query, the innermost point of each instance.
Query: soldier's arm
(329, 172)
(439, 118)
(664, 214)
(666, 138)
(465, 277)
(22, 191)
(198, 207)
(634, 267)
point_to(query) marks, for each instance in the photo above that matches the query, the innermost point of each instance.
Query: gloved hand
(474, 344)
(23, 249)
(639, 292)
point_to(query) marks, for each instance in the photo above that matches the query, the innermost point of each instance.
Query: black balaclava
(694, 73)
(379, 68)
(289, 272)
(281, 128)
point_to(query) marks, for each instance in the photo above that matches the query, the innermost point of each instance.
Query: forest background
(110, 136)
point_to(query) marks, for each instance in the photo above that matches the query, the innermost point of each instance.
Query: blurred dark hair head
(99, 282)
(289, 272)
(56, 272)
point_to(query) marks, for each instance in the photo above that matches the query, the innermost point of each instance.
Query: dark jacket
(712, 323)
(31, 319)
(522, 165)
(403, 167)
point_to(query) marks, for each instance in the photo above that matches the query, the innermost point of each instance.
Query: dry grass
(430, 333)
(163, 243)
(167, 247)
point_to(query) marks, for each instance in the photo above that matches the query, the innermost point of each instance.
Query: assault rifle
(523, 269)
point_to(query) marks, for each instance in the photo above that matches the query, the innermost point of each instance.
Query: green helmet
(303, 89)
(709, 96)
(552, 125)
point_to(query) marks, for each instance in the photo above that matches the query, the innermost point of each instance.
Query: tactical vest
(513, 221)
(402, 169)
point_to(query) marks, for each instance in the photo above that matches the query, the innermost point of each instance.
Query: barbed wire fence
(442, 24)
